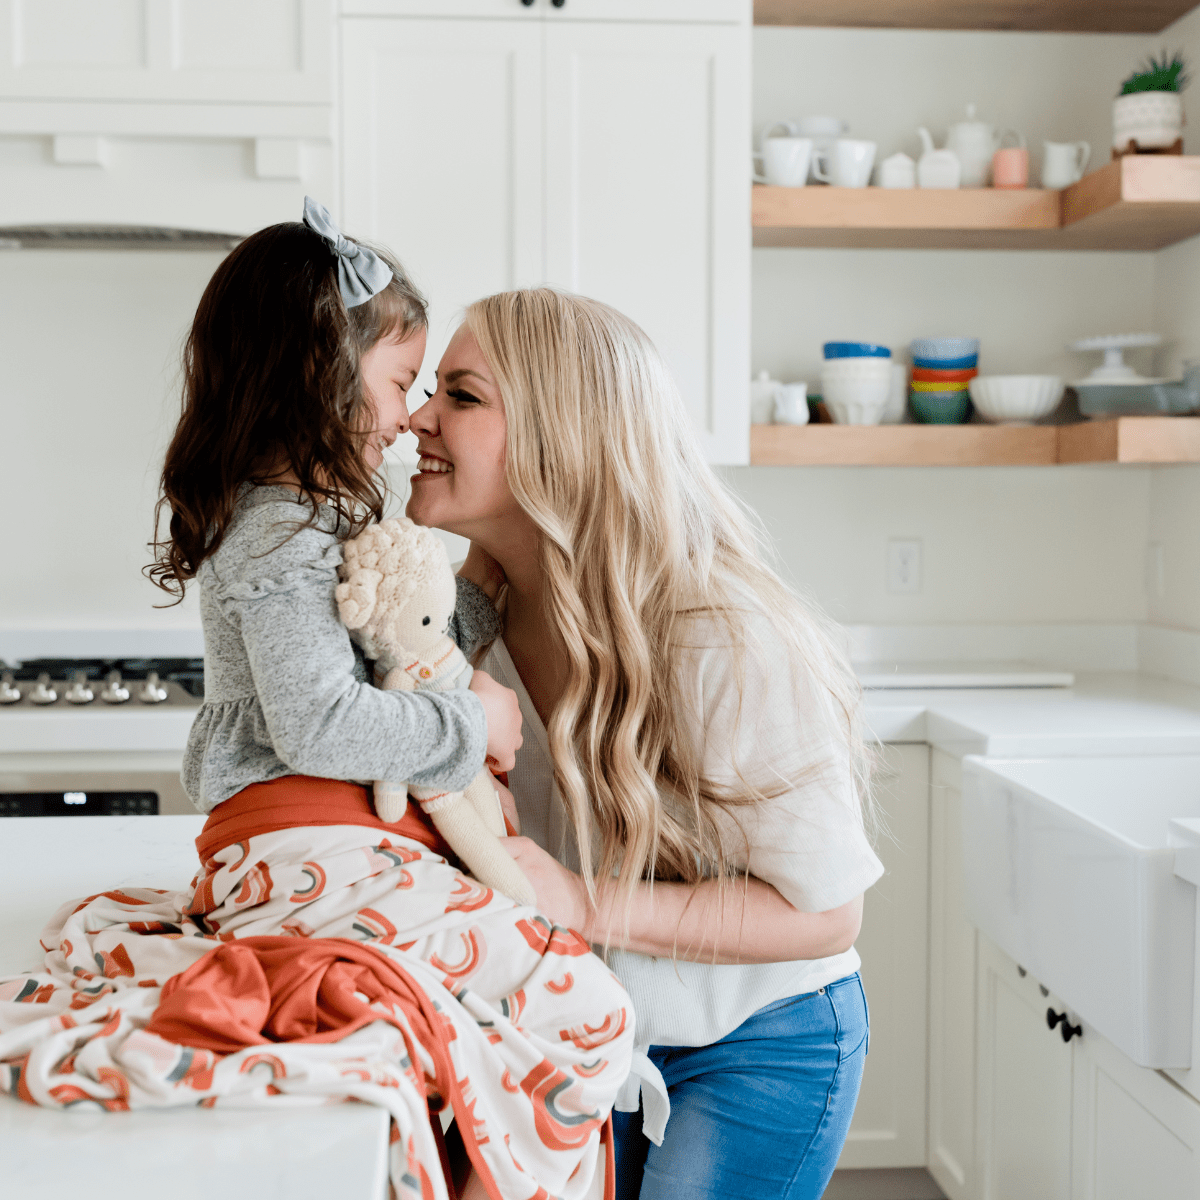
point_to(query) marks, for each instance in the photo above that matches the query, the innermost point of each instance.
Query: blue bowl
(856, 350)
(943, 348)
(940, 408)
(967, 362)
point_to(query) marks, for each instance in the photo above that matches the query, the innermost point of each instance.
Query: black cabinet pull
(1068, 1030)
(558, 3)
(527, 3)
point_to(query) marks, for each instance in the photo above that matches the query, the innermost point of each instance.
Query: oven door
(92, 784)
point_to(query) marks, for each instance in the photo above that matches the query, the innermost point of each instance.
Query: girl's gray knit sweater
(285, 690)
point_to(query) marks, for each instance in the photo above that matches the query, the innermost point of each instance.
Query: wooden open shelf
(1045, 16)
(1139, 202)
(1121, 440)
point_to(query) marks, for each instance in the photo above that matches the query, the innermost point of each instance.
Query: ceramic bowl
(856, 368)
(935, 375)
(940, 408)
(968, 363)
(944, 350)
(941, 385)
(855, 350)
(1016, 399)
(856, 401)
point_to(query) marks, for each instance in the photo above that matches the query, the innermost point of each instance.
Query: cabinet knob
(527, 3)
(1068, 1030)
(558, 3)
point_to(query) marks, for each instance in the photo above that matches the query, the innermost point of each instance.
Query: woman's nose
(424, 420)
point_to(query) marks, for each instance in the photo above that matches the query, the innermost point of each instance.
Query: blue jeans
(762, 1113)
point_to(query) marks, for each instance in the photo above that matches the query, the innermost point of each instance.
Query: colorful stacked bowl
(856, 381)
(942, 371)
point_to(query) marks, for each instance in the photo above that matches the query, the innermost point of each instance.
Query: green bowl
(940, 408)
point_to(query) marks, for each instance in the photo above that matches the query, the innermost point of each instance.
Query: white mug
(850, 163)
(791, 404)
(824, 131)
(1063, 163)
(785, 159)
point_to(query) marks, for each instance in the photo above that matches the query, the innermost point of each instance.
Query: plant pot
(1151, 120)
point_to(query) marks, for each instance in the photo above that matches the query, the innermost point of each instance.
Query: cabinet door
(888, 1129)
(952, 950)
(442, 156)
(647, 198)
(234, 51)
(1136, 1133)
(734, 11)
(1024, 1087)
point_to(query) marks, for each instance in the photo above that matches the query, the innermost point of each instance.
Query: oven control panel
(114, 684)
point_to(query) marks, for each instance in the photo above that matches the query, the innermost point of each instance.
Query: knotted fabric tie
(361, 272)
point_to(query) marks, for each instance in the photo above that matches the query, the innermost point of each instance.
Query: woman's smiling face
(460, 484)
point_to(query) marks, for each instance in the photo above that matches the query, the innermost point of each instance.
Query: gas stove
(111, 684)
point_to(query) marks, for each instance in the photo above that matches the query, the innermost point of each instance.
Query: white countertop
(1104, 713)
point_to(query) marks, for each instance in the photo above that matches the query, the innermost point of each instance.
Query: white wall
(1017, 545)
(89, 343)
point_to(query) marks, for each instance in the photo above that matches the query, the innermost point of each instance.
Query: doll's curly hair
(271, 382)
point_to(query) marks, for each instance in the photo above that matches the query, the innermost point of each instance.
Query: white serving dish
(1016, 399)
(1069, 868)
(856, 401)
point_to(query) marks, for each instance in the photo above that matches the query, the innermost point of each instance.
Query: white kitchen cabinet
(198, 51)
(646, 200)
(1024, 1086)
(603, 157)
(732, 11)
(1137, 1133)
(888, 1129)
(952, 966)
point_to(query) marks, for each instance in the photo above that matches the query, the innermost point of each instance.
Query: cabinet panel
(888, 1129)
(1136, 1133)
(734, 11)
(952, 953)
(442, 156)
(647, 198)
(208, 51)
(1024, 1087)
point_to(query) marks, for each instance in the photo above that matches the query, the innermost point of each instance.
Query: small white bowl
(856, 368)
(1016, 399)
(855, 401)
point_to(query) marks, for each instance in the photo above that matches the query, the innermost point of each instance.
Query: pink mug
(1010, 167)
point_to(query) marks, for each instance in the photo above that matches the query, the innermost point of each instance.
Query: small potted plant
(1148, 114)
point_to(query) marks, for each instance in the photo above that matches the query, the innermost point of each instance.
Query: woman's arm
(750, 923)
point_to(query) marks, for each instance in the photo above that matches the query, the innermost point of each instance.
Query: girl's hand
(503, 713)
(560, 893)
(508, 804)
(483, 571)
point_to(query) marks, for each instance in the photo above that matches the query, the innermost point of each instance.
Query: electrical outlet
(903, 566)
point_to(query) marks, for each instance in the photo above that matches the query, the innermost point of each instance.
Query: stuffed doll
(397, 598)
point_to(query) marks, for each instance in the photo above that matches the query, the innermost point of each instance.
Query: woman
(693, 776)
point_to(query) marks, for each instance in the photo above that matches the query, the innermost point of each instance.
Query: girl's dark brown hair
(271, 382)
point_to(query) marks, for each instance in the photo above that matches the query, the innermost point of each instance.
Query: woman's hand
(483, 571)
(503, 713)
(561, 894)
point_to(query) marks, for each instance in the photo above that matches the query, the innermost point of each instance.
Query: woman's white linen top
(808, 842)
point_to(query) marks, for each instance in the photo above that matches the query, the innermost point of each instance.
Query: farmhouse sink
(1070, 869)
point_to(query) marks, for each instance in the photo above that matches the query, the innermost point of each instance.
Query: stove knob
(152, 692)
(42, 692)
(114, 691)
(79, 692)
(9, 692)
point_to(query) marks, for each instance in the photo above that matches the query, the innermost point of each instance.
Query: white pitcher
(973, 143)
(1063, 163)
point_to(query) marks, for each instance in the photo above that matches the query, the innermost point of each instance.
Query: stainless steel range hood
(112, 237)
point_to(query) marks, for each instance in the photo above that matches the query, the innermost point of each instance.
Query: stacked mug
(943, 368)
(856, 382)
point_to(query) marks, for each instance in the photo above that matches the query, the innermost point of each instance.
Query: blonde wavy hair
(638, 538)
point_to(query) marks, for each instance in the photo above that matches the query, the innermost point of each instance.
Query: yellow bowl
(939, 385)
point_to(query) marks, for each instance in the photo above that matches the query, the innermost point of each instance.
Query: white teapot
(937, 168)
(973, 144)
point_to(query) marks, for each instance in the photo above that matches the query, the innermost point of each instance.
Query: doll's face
(426, 617)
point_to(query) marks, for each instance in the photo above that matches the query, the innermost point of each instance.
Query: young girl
(296, 376)
(692, 790)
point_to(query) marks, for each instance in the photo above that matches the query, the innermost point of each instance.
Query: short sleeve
(768, 722)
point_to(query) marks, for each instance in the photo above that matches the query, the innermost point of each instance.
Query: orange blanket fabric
(296, 801)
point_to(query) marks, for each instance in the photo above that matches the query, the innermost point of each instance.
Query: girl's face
(388, 370)
(460, 484)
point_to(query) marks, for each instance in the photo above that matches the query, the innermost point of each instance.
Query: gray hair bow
(361, 272)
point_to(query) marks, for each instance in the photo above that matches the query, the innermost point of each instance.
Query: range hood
(112, 237)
